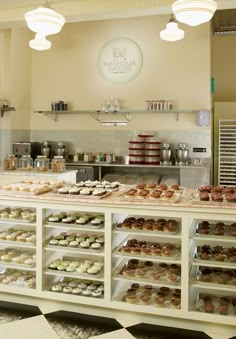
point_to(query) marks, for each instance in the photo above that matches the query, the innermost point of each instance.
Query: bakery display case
(106, 255)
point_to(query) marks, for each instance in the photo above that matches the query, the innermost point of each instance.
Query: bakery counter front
(169, 262)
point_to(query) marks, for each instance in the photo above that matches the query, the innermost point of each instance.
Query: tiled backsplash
(106, 141)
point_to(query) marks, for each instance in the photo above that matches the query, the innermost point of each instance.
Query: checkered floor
(30, 322)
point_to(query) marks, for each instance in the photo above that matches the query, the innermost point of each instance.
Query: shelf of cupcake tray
(83, 263)
(212, 279)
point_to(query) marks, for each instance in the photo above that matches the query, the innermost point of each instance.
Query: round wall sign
(120, 60)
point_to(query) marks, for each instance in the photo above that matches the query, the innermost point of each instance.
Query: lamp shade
(44, 20)
(172, 32)
(40, 43)
(194, 12)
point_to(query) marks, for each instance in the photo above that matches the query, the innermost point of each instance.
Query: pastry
(96, 293)
(77, 290)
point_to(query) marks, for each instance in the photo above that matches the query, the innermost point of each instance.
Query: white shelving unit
(114, 284)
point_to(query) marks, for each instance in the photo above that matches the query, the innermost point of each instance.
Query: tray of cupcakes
(214, 229)
(153, 192)
(17, 234)
(215, 276)
(144, 248)
(147, 225)
(164, 297)
(77, 240)
(17, 278)
(17, 257)
(28, 187)
(215, 254)
(149, 271)
(223, 305)
(19, 215)
(75, 219)
(214, 194)
(77, 266)
(78, 287)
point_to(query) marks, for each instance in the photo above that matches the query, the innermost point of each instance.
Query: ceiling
(12, 11)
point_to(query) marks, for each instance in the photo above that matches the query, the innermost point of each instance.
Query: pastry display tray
(211, 233)
(152, 300)
(66, 224)
(216, 301)
(215, 277)
(21, 220)
(9, 277)
(80, 196)
(75, 273)
(194, 198)
(75, 249)
(152, 275)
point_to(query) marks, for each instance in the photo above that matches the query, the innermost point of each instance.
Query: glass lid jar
(41, 163)
(26, 163)
(58, 164)
(10, 163)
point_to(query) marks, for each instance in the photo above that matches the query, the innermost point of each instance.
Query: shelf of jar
(97, 114)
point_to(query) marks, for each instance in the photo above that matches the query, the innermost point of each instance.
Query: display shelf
(75, 228)
(17, 244)
(61, 249)
(147, 233)
(212, 286)
(98, 277)
(20, 267)
(97, 114)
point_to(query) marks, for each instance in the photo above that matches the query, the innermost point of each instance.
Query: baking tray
(216, 301)
(18, 252)
(13, 275)
(76, 249)
(81, 196)
(153, 296)
(176, 252)
(63, 224)
(214, 278)
(212, 261)
(161, 275)
(194, 198)
(211, 232)
(135, 198)
(75, 273)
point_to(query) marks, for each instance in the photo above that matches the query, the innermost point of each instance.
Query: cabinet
(166, 274)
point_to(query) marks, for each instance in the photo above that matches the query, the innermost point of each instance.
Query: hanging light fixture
(194, 12)
(172, 32)
(44, 20)
(40, 43)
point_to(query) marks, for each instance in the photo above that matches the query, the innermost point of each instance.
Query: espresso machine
(26, 148)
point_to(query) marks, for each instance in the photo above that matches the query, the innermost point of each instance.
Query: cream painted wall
(180, 71)
(224, 67)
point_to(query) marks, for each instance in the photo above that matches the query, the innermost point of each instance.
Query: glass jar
(10, 162)
(41, 163)
(26, 163)
(58, 164)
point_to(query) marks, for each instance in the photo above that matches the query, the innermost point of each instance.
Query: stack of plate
(144, 149)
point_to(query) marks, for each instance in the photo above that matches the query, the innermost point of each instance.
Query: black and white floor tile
(30, 322)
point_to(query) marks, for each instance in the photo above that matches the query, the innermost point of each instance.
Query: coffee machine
(26, 148)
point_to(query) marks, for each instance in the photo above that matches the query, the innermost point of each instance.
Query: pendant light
(40, 43)
(194, 12)
(172, 32)
(43, 21)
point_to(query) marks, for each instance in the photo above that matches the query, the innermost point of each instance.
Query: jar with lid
(10, 162)
(58, 164)
(41, 163)
(26, 163)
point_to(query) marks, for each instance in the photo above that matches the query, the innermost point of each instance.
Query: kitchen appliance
(46, 149)
(60, 149)
(166, 155)
(83, 172)
(26, 148)
(182, 155)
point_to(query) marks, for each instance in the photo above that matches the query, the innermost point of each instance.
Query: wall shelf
(97, 115)
(6, 109)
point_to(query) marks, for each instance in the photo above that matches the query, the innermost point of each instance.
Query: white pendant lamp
(172, 32)
(40, 43)
(44, 20)
(194, 12)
